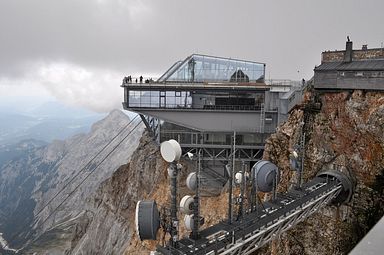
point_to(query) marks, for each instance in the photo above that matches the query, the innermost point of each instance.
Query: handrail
(171, 69)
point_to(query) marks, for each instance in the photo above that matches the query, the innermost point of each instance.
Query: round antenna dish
(186, 204)
(191, 181)
(170, 150)
(147, 219)
(264, 173)
(188, 221)
(238, 178)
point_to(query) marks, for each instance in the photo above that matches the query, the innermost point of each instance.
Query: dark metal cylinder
(174, 220)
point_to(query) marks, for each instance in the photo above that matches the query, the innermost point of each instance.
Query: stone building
(351, 69)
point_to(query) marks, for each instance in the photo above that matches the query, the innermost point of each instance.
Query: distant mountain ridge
(49, 121)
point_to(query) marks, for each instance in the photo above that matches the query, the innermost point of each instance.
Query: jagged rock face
(112, 229)
(37, 177)
(112, 225)
(347, 134)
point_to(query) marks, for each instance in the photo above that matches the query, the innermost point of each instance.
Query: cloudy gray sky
(79, 50)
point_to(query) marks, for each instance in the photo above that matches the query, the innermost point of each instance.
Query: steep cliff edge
(347, 134)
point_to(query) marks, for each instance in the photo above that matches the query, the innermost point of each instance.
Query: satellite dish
(264, 172)
(188, 221)
(147, 219)
(170, 150)
(191, 181)
(186, 204)
(238, 178)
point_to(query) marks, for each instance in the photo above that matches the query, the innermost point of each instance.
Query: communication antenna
(147, 220)
(196, 200)
(147, 215)
(171, 152)
(240, 178)
(265, 176)
(265, 173)
(191, 205)
(231, 168)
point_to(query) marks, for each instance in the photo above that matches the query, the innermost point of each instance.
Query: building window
(178, 93)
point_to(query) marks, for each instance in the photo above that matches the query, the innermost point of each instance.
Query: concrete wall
(215, 121)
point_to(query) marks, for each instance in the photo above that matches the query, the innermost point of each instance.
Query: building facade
(351, 69)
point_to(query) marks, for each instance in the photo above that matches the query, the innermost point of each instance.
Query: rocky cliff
(347, 134)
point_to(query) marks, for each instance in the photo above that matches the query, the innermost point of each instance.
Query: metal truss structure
(223, 153)
(153, 126)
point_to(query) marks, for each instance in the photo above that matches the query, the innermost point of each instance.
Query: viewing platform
(203, 100)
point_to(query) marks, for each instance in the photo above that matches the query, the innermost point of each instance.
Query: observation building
(221, 106)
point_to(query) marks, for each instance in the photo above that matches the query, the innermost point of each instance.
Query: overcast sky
(79, 50)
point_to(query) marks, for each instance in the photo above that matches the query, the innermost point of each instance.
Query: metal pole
(230, 193)
(257, 197)
(274, 186)
(301, 157)
(174, 221)
(242, 193)
(302, 161)
(196, 201)
(253, 191)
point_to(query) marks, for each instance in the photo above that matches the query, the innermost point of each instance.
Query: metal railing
(283, 82)
(206, 138)
(159, 105)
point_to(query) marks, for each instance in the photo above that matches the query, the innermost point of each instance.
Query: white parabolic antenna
(188, 221)
(186, 204)
(170, 150)
(191, 181)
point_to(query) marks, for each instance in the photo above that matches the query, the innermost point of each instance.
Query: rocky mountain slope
(147, 176)
(28, 183)
(346, 134)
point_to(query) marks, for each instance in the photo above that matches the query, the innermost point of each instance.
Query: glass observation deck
(201, 82)
(201, 68)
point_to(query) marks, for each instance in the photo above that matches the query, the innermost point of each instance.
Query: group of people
(128, 79)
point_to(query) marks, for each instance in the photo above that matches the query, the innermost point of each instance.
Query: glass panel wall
(186, 99)
(200, 68)
(160, 99)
